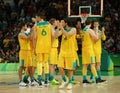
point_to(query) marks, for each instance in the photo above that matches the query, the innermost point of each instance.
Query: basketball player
(54, 52)
(98, 49)
(43, 39)
(88, 56)
(30, 32)
(25, 55)
(67, 56)
(35, 20)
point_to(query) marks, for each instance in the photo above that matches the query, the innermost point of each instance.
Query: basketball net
(83, 17)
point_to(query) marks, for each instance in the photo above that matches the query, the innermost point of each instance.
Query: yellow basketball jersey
(43, 31)
(55, 43)
(87, 42)
(97, 45)
(68, 46)
(24, 44)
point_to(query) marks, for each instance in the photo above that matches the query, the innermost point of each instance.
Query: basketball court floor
(9, 84)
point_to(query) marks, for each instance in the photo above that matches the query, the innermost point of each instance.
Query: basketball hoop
(83, 17)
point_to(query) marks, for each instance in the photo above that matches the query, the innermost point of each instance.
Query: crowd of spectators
(112, 23)
(23, 10)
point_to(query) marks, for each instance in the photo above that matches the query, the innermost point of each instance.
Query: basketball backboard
(93, 8)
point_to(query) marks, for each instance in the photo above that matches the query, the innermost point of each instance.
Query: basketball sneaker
(26, 81)
(99, 81)
(46, 83)
(63, 84)
(75, 82)
(40, 84)
(69, 86)
(54, 82)
(22, 84)
(86, 82)
(34, 83)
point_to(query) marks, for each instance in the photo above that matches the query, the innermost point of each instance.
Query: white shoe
(63, 84)
(34, 83)
(69, 86)
(22, 84)
(43, 82)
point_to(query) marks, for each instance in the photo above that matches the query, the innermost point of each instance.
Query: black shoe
(34, 83)
(40, 84)
(46, 83)
(36, 80)
(86, 82)
(26, 81)
(103, 80)
(98, 81)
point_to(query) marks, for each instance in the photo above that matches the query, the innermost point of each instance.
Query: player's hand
(33, 19)
(96, 29)
(103, 30)
(60, 25)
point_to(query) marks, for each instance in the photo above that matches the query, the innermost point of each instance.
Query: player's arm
(34, 38)
(52, 33)
(68, 34)
(103, 36)
(95, 37)
(58, 33)
(58, 30)
(32, 35)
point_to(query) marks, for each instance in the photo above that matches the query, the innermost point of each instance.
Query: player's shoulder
(43, 23)
(86, 30)
(20, 33)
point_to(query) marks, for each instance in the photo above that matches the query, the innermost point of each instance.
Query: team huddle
(39, 52)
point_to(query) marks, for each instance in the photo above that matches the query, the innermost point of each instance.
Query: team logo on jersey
(44, 33)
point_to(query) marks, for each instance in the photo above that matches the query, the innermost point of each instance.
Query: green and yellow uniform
(43, 44)
(43, 47)
(97, 47)
(67, 56)
(54, 52)
(25, 55)
(88, 55)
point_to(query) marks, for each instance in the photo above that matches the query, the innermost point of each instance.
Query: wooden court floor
(9, 84)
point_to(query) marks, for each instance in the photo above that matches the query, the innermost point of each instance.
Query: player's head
(66, 22)
(78, 24)
(95, 23)
(30, 24)
(33, 19)
(63, 22)
(53, 22)
(23, 25)
(88, 22)
(39, 16)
